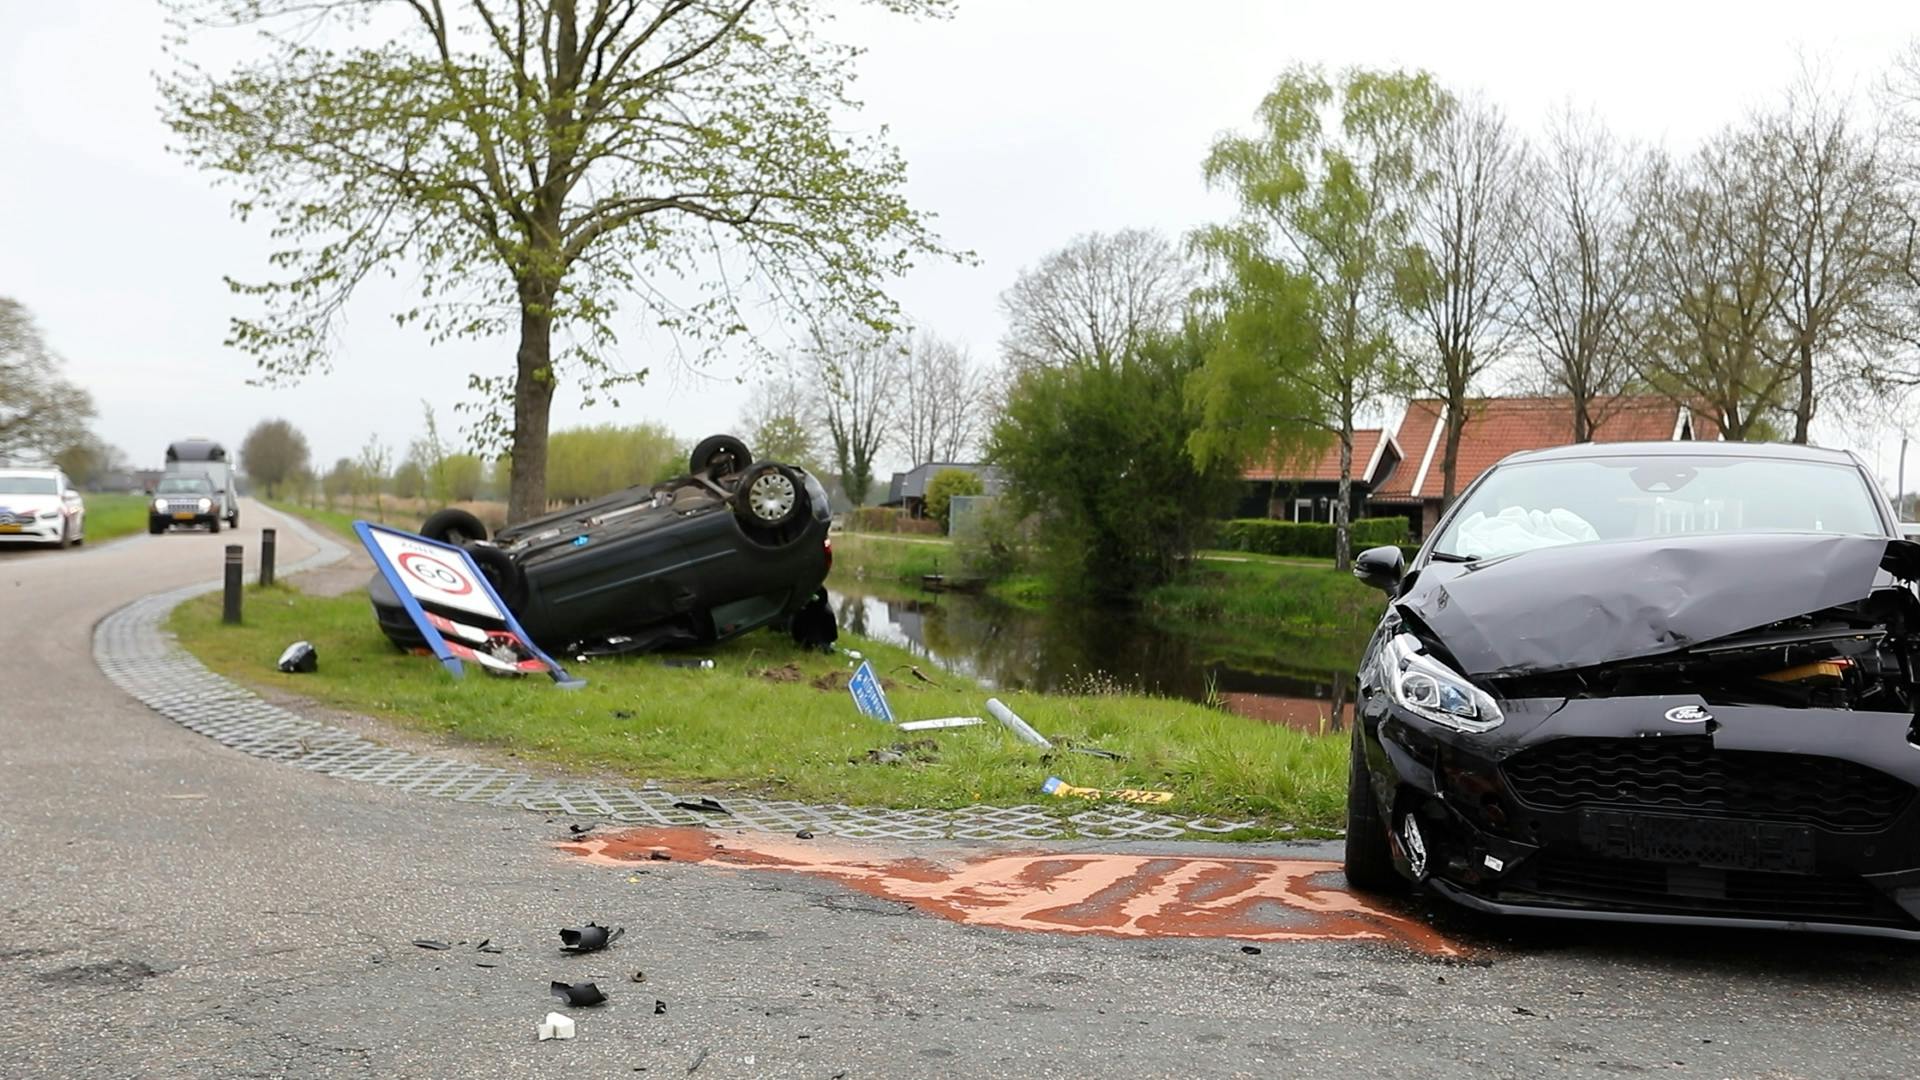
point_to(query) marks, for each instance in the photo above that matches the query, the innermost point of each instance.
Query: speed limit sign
(437, 576)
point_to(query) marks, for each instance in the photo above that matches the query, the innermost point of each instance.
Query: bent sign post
(426, 572)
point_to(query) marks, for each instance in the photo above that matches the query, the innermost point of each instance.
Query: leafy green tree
(274, 452)
(1100, 453)
(588, 462)
(39, 409)
(780, 425)
(340, 482)
(408, 480)
(1326, 188)
(545, 163)
(463, 477)
(944, 486)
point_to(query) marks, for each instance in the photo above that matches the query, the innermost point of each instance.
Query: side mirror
(1380, 567)
(70, 494)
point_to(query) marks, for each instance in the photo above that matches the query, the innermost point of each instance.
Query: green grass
(112, 516)
(890, 560)
(340, 522)
(733, 729)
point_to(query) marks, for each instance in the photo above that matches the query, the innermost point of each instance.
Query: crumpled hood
(1556, 609)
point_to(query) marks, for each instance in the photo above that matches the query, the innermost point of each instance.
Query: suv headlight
(1427, 688)
(160, 505)
(206, 505)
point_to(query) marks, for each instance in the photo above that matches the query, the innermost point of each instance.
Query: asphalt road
(170, 908)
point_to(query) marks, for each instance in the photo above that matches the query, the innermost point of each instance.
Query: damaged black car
(1669, 682)
(731, 546)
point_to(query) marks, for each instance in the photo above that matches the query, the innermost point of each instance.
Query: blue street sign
(865, 688)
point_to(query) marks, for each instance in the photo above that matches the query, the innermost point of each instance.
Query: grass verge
(759, 723)
(1316, 616)
(110, 517)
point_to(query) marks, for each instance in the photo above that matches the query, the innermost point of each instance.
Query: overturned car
(1665, 682)
(732, 546)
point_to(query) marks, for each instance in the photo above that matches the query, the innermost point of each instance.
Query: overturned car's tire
(769, 496)
(451, 526)
(1369, 861)
(719, 455)
(502, 573)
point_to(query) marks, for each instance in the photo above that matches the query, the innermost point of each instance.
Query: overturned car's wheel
(452, 526)
(502, 573)
(1369, 861)
(719, 455)
(768, 496)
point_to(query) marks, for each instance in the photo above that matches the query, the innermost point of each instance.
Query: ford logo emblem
(1689, 714)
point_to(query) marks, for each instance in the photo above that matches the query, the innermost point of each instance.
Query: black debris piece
(1522, 1010)
(300, 658)
(430, 943)
(590, 938)
(638, 976)
(484, 965)
(1250, 950)
(659, 856)
(1094, 751)
(659, 1007)
(623, 714)
(578, 995)
(803, 834)
(704, 804)
(578, 829)
(488, 946)
(697, 1059)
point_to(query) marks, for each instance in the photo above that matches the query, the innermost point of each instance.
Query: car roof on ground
(1683, 448)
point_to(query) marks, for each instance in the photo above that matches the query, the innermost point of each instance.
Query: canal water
(1077, 649)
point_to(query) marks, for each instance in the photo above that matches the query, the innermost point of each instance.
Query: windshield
(181, 485)
(29, 485)
(1549, 503)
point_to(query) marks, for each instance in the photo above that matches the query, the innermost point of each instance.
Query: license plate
(183, 517)
(1706, 842)
(11, 529)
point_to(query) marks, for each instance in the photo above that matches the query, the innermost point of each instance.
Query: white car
(39, 506)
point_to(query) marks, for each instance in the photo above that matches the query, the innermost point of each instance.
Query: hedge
(1311, 539)
(885, 519)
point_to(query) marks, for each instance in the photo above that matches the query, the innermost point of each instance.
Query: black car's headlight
(1427, 688)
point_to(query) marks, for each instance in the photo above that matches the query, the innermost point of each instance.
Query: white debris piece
(942, 722)
(1016, 725)
(556, 1026)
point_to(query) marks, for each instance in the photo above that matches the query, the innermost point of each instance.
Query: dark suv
(731, 546)
(184, 500)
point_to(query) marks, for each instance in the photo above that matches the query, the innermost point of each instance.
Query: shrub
(943, 487)
(886, 519)
(1308, 539)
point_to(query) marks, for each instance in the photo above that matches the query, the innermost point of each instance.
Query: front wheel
(719, 455)
(453, 526)
(213, 526)
(1369, 860)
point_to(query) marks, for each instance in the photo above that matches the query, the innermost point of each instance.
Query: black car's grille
(1688, 774)
(1738, 893)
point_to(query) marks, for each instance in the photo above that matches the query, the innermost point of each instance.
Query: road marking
(1120, 895)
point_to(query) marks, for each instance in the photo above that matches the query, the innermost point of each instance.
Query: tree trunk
(1803, 410)
(532, 405)
(1342, 541)
(1449, 462)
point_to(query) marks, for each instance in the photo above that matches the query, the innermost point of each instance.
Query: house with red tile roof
(1306, 490)
(1497, 427)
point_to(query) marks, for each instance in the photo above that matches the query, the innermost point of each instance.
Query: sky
(1023, 122)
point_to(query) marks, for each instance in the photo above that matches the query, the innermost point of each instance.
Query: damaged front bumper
(1659, 809)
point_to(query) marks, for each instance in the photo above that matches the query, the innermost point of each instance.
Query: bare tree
(1092, 301)
(1837, 248)
(1583, 265)
(1457, 279)
(1714, 340)
(40, 410)
(779, 422)
(940, 400)
(857, 390)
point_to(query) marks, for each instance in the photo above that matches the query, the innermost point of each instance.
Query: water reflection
(1075, 649)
